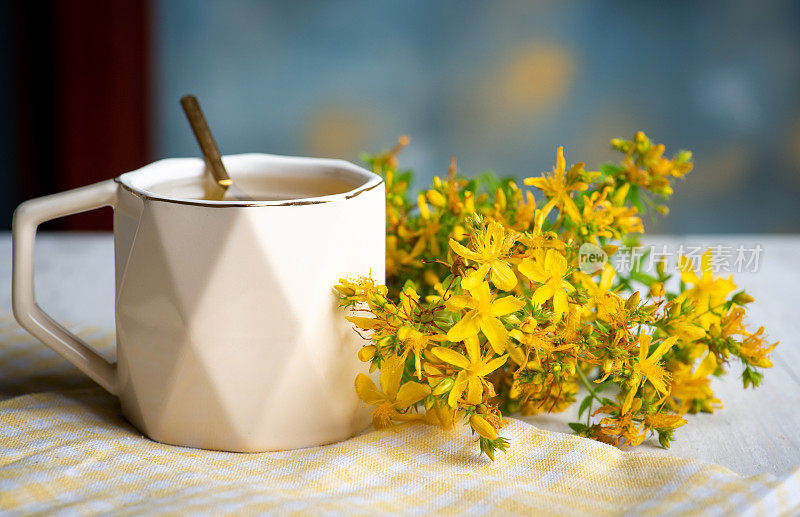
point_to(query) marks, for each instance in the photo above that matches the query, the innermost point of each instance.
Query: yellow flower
(663, 421)
(396, 257)
(596, 217)
(685, 329)
(526, 211)
(483, 316)
(755, 350)
(550, 273)
(472, 369)
(648, 368)
(415, 342)
(558, 187)
(691, 390)
(537, 238)
(428, 239)
(538, 339)
(708, 292)
(614, 428)
(391, 400)
(491, 251)
(600, 288)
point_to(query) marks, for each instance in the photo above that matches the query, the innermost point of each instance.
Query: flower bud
(633, 301)
(515, 391)
(344, 290)
(483, 427)
(424, 211)
(517, 355)
(618, 197)
(436, 198)
(367, 353)
(657, 290)
(469, 203)
(431, 369)
(500, 198)
(742, 298)
(444, 386)
(610, 249)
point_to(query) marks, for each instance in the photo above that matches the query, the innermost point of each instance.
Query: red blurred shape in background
(92, 121)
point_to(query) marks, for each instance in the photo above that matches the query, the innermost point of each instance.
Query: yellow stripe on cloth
(73, 453)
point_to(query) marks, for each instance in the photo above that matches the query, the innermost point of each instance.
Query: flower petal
(492, 365)
(457, 302)
(473, 348)
(561, 163)
(363, 322)
(555, 263)
(531, 269)
(474, 278)
(644, 346)
(451, 356)
(506, 305)
(474, 390)
(496, 234)
(542, 294)
(495, 332)
(468, 326)
(570, 208)
(629, 398)
(662, 348)
(458, 389)
(410, 393)
(391, 372)
(560, 304)
(503, 276)
(465, 252)
(367, 391)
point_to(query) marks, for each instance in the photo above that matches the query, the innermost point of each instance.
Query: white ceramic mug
(228, 332)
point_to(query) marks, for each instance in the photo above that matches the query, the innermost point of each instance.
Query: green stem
(589, 387)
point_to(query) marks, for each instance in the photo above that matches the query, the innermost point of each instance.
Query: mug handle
(27, 217)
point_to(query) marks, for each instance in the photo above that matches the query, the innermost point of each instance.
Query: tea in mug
(260, 188)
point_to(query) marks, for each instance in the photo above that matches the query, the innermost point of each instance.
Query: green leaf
(609, 169)
(643, 278)
(575, 426)
(635, 199)
(584, 405)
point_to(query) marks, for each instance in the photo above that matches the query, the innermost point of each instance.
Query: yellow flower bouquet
(494, 305)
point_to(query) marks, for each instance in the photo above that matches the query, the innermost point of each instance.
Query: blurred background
(90, 89)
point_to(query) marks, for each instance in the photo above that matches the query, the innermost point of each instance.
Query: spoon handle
(206, 140)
